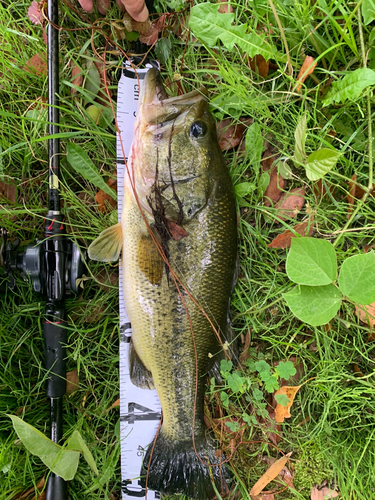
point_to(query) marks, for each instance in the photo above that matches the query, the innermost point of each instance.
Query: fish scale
(140, 409)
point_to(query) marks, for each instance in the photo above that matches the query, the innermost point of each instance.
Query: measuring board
(140, 409)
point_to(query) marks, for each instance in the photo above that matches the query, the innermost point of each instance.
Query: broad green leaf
(76, 442)
(311, 262)
(163, 49)
(368, 11)
(264, 180)
(271, 384)
(243, 189)
(350, 86)
(226, 366)
(254, 146)
(320, 163)
(224, 399)
(282, 399)
(258, 395)
(283, 169)
(357, 278)
(286, 370)
(61, 461)
(80, 161)
(262, 366)
(314, 305)
(300, 138)
(92, 82)
(236, 382)
(209, 25)
(233, 426)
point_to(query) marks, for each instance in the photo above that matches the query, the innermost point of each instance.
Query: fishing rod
(53, 264)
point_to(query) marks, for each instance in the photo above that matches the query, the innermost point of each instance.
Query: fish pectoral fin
(139, 375)
(149, 259)
(108, 245)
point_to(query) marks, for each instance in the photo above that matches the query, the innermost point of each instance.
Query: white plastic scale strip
(140, 409)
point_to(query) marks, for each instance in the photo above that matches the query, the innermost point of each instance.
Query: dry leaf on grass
(284, 239)
(268, 476)
(35, 13)
(177, 232)
(260, 65)
(103, 199)
(285, 475)
(324, 494)
(36, 65)
(290, 203)
(366, 314)
(265, 496)
(116, 404)
(245, 352)
(355, 193)
(307, 69)
(77, 76)
(282, 412)
(231, 134)
(72, 381)
(225, 7)
(274, 189)
(7, 192)
(27, 493)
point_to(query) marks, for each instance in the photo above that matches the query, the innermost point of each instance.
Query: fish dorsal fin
(149, 259)
(108, 245)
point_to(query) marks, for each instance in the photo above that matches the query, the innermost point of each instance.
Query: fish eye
(198, 129)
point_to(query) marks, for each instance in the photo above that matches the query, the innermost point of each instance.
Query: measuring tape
(140, 409)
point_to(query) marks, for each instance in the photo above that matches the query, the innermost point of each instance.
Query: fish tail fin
(177, 467)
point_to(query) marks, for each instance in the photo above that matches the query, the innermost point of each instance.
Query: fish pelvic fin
(108, 245)
(175, 467)
(139, 375)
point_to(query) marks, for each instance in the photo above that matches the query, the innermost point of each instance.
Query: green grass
(331, 430)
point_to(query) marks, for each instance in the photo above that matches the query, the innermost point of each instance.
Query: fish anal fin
(108, 245)
(149, 259)
(139, 375)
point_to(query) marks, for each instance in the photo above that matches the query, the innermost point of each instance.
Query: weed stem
(370, 139)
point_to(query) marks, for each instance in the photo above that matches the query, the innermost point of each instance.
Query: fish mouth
(156, 107)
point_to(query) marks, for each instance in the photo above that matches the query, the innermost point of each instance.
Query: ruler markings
(140, 409)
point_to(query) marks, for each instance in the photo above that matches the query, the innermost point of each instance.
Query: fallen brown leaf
(27, 493)
(282, 412)
(260, 65)
(290, 203)
(324, 494)
(245, 353)
(268, 159)
(268, 476)
(116, 404)
(285, 475)
(284, 239)
(177, 232)
(36, 65)
(102, 97)
(274, 189)
(107, 278)
(307, 69)
(231, 134)
(35, 13)
(7, 192)
(103, 199)
(72, 381)
(225, 7)
(366, 314)
(77, 76)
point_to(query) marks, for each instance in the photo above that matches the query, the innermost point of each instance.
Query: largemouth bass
(178, 183)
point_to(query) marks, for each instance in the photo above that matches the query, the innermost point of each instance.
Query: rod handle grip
(55, 339)
(56, 488)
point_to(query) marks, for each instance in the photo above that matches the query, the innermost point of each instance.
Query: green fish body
(179, 197)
